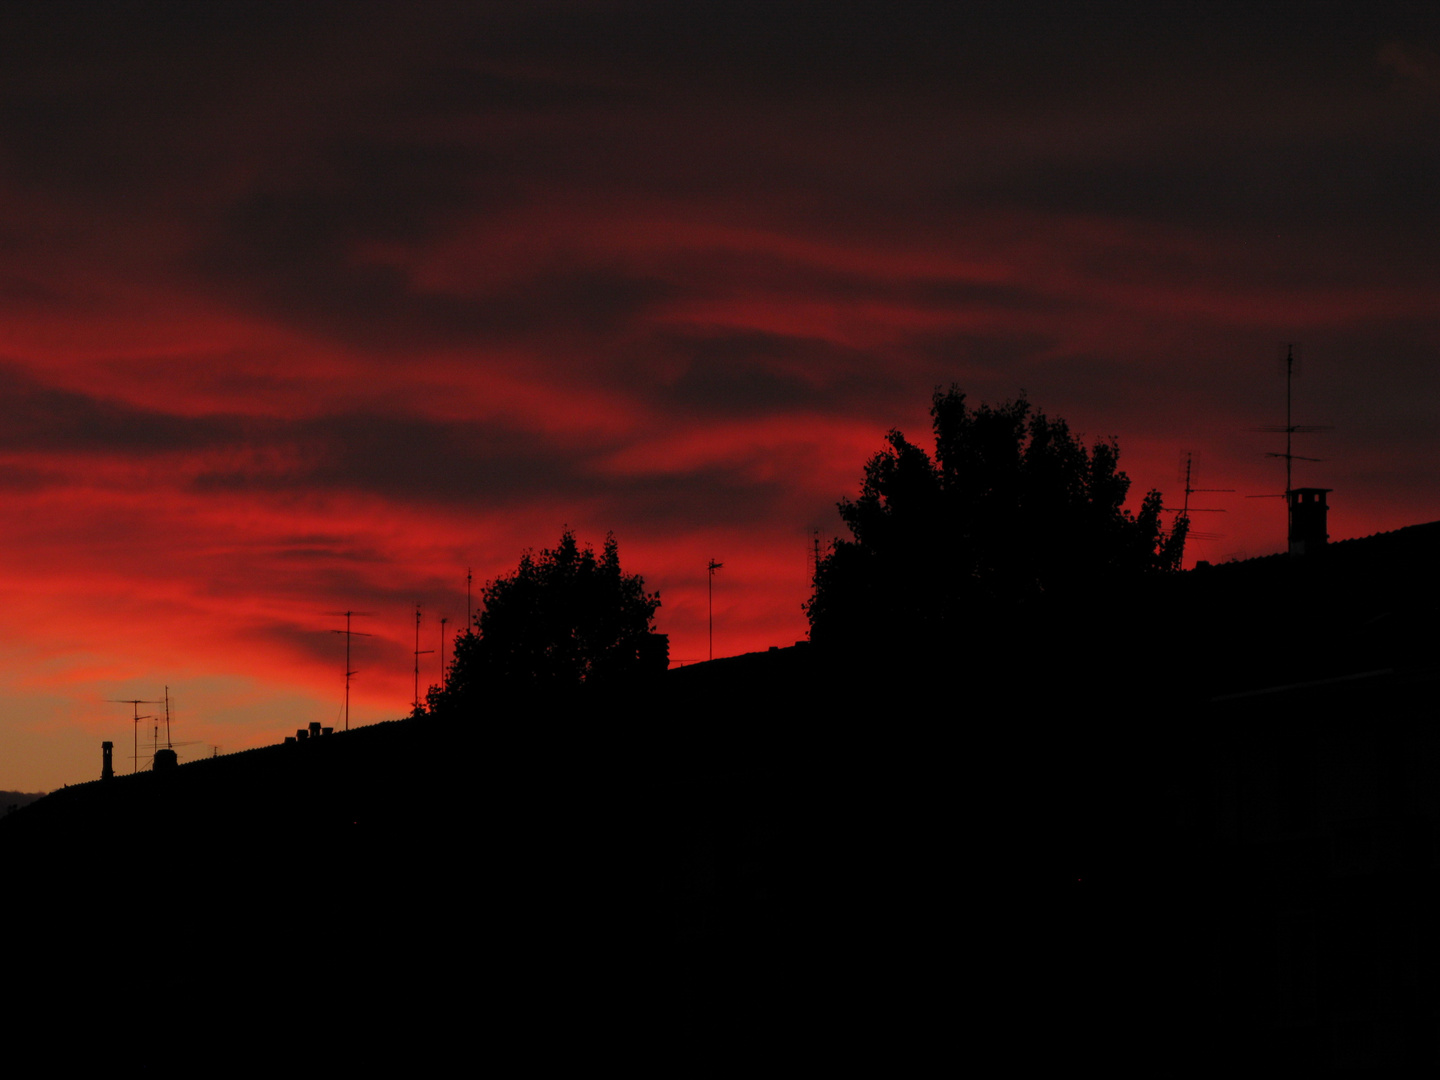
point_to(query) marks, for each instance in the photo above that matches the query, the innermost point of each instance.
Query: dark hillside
(1085, 836)
(752, 861)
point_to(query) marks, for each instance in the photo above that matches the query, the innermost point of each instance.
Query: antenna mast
(135, 704)
(1185, 510)
(1291, 429)
(419, 652)
(348, 635)
(713, 566)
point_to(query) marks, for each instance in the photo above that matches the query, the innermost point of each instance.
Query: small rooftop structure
(1308, 513)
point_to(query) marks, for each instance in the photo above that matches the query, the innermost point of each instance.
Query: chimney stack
(107, 770)
(1307, 520)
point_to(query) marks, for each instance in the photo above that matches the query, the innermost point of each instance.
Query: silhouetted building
(1216, 844)
(1304, 800)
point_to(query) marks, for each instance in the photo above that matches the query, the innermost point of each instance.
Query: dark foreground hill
(752, 860)
(1067, 840)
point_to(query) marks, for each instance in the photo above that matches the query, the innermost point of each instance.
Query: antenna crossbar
(348, 635)
(135, 704)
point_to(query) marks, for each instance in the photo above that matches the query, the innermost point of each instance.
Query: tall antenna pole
(1289, 435)
(348, 635)
(443, 621)
(1186, 510)
(1291, 429)
(419, 652)
(348, 672)
(1289, 420)
(713, 566)
(1182, 515)
(469, 615)
(135, 704)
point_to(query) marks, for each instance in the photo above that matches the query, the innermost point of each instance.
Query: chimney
(1307, 520)
(107, 770)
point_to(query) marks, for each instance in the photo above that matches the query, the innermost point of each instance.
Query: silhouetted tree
(565, 618)
(1013, 510)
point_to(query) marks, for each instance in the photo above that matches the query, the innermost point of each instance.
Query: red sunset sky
(310, 307)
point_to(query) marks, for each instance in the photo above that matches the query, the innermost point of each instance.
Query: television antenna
(170, 744)
(814, 552)
(712, 566)
(1291, 429)
(419, 652)
(135, 704)
(443, 620)
(1183, 512)
(348, 635)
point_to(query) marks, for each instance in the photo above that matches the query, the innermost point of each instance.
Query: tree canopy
(565, 618)
(1011, 511)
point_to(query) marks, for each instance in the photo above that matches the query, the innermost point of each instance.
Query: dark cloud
(297, 257)
(407, 459)
(20, 293)
(18, 479)
(749, 373)
(1260, 180)
(101, 100)
(417, 462)
(479, 86)
(702, 498)
(404, 458)
(37, 417)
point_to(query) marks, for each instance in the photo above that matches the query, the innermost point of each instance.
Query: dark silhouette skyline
(322, 307)
(1232, 847)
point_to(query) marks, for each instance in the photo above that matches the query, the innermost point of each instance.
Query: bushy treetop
(565, 618)
(1012, 509)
